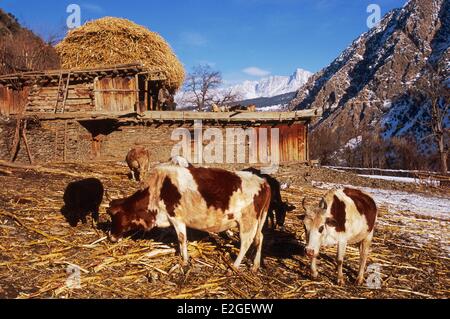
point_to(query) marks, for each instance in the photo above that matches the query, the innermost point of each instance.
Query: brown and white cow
(206, 199)
(138, 160)
(344, 216)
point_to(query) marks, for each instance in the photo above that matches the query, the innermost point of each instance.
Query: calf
(345, 216)
(138, 160)
(206, 199)
(82, 198)
(277, 205)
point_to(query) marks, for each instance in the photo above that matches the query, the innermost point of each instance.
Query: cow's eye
(321, 229)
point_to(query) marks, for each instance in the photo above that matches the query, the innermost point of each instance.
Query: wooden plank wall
(292, 142)
(115, 94)
(12, 101)
(80, 98)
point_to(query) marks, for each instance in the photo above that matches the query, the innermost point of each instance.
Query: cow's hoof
(254, 269)
(314, 275)
(341, 282)
(360, 281)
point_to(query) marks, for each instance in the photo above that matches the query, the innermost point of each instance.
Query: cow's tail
(267, 193)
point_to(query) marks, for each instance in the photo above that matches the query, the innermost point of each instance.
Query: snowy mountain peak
(300, 75)
(272, 85)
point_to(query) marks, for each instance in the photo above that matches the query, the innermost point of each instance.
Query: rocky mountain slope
(21, 50)
(368, 86)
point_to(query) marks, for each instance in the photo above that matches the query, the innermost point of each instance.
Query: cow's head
(281, 211)
(126, 218)
(316, 225)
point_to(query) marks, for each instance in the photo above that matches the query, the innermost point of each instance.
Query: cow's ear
(112, 212)
(331, 222)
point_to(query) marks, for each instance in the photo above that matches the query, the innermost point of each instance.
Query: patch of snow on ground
(402, 179)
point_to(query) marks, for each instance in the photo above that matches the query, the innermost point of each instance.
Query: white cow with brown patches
(206, 199)
(345, 216)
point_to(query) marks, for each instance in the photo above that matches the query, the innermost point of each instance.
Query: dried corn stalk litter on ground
(42, 256)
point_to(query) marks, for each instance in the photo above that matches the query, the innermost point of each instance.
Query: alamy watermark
(73, 21)
(73, 280)
(374, 278)
(374, 19)
(210, 146)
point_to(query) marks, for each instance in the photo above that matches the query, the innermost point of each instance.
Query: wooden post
(16, 139)
(136, 79)
(65, 141)
(58, 91)
(24, 136)
(146, 95)
(306, 141)
(66, 92)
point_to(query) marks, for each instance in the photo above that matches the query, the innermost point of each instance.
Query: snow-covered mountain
(272, 85)
(269, 91)
(369, 86)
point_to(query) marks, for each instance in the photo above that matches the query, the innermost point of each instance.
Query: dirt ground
(39, 249)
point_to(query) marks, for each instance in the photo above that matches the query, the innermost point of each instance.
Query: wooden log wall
(80, 98)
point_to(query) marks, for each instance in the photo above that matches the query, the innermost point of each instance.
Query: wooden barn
(126, 88)
(99, 114)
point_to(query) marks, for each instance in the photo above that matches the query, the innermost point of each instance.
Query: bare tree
(434, 87)
(227, 97)
(200, 85)
(25, 51)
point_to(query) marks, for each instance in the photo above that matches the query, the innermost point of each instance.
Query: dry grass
(37, 245)
(110, 41)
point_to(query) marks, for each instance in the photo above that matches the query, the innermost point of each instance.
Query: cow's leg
(247, 232)
(95, 217)
(246, 241)
(138, 175)
(258, 240)
(314, 272)
(258, 245)
(271, 219)
(180, 228)
(364, 247)
(342, 246)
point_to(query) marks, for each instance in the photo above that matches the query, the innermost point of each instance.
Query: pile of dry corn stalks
(110, 41)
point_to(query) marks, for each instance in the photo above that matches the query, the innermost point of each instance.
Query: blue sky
(244, 39)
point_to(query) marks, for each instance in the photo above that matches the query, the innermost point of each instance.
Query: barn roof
(180, 117)
(83, 74)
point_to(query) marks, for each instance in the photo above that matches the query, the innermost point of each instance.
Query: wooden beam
(16, 140)
(24, 136)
